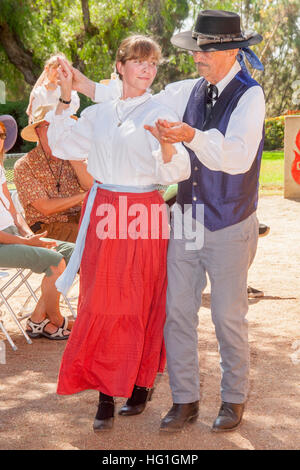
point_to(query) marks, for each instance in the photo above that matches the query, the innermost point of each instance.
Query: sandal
(38, 330)
(59, 333)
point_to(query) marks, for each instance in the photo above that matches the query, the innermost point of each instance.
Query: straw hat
(29, 133)
(11, 131)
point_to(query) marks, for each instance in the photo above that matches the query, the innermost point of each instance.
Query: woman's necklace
(126, 115)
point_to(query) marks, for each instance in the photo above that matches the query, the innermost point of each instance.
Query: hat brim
(29, 134)
(11, 131)
(186, 41)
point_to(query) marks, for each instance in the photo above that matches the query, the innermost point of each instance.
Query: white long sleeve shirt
(233, 153)
(123, 154)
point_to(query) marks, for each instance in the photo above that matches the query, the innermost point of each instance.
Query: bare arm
(84, 177)
(167, 149)
(79, 81)
(19, 220)
(50, 206)
(32, 240)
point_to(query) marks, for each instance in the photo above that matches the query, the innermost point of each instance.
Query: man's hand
(173, 132)
(79, 81)
(35, 240)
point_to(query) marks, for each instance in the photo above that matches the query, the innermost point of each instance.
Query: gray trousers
(225, 257)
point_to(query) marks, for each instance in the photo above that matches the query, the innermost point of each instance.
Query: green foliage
(274, 138)
(46, 27)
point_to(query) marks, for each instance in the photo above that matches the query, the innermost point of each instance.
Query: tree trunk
(21, 58)
(88, 26)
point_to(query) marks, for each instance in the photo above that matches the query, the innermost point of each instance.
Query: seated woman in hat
(20, 248)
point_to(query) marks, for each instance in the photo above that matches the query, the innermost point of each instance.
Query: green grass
(271, 174)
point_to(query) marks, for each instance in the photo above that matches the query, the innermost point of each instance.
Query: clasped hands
(171, 132)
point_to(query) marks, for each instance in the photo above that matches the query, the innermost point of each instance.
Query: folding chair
(5, 296)
(14, 347)
(19, 208)
(21, 277)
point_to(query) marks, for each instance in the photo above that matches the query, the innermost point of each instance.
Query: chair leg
(15, 318)
(14, 347)
(70, 306)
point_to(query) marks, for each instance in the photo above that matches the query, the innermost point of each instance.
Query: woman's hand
(65, 80)
(35, 240)
(173, 132)
(80, 82)
(167, 149)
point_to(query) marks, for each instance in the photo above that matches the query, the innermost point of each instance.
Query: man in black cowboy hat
(221, 123)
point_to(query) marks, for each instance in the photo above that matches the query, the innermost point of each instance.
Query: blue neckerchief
(246, 52)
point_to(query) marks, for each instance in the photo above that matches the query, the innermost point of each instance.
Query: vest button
(194, 183)
(194, 198)
(196, 168)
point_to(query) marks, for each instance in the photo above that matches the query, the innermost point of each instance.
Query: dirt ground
(32, 416)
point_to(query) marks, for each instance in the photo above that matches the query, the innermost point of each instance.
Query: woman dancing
(116, 345)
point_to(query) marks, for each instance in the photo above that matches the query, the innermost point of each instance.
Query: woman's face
(138, 74)
(52, 73)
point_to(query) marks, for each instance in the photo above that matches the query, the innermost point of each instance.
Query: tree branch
(22, 59)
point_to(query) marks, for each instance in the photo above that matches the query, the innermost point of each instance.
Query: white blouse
(233, 153)
(123, 154)
(42, 96)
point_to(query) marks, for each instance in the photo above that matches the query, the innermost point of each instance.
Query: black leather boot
(179, 415)
(104, 418)
(137, 402)
(229, 417)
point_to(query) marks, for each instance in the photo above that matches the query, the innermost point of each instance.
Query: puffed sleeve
(71, 139)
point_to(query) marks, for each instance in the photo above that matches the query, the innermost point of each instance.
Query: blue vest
(228, 199)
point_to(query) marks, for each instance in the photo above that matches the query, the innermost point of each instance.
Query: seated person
(20, 248)
(50, 190)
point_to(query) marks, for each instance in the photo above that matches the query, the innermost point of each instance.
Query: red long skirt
(117, 338)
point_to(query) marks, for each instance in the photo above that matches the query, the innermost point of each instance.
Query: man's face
(41, 131)
(210, 65)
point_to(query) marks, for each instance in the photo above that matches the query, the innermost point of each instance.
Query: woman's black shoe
(137, 402)
(104, 418)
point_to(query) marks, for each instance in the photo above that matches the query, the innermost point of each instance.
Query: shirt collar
(232, 72)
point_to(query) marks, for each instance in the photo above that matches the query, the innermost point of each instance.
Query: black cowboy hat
(216, 30)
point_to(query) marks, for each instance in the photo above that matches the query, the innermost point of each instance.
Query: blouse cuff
(178, 169)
